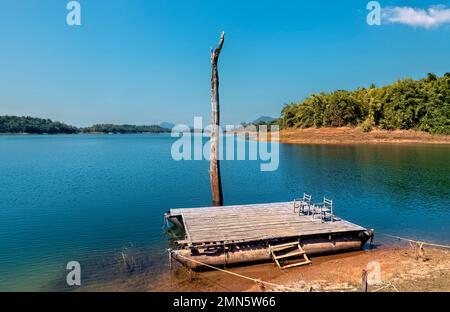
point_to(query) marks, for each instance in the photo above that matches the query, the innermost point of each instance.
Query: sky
(148, 61)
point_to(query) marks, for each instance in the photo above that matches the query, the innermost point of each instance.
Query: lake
(100, 199)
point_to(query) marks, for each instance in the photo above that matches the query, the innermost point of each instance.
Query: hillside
(406, 104)
(14, 124)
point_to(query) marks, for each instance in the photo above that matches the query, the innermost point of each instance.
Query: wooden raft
(249, 223)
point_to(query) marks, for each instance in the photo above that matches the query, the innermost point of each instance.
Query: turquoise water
(89, 198)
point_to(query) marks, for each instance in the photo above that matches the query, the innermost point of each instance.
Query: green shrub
(368, 124)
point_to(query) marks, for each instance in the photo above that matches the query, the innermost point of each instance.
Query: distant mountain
(264, 119)
(167, 125)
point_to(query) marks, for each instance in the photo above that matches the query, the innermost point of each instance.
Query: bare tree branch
(216, 53)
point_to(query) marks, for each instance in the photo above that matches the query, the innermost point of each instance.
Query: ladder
(283, 252)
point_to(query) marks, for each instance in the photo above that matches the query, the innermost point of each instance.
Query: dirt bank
(400, 271)
(347, 135)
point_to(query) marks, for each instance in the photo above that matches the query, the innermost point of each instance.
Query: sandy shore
(400, 271)
(347, 135)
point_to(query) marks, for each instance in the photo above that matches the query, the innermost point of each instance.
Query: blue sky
(147, 61)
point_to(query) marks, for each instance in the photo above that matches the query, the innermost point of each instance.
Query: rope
(257, 281)
(416, 241)
(386, 285)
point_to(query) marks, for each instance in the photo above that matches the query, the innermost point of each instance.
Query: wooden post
(420, 252)
(214, 167)
(364, 281)
(170, 258)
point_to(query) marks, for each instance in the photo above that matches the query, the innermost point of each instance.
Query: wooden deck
(247, 223)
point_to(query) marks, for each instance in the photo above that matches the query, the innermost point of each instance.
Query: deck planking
(246, 223)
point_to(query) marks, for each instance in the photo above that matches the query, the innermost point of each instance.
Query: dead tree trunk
(214, 167)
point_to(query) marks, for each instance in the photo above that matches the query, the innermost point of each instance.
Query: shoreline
(354, 136)
(400, 271)
(81, 133)
(335, 273)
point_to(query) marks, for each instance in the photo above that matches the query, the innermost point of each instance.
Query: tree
(214, 167)
(431, 77)
(342, 110)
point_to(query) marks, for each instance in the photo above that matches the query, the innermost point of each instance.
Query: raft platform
(246, 233)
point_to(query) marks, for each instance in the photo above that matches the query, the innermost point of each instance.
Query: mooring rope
(386, 285)
(415, 241)
(257, 281)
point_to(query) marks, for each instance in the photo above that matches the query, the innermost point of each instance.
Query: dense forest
(110, 128)
(406, 104)
(14, 124)
(30, 125)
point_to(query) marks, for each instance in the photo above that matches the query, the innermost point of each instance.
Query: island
(31, 125)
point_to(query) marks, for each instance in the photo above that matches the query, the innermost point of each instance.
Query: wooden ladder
(288, 251)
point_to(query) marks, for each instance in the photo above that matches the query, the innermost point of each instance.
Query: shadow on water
(173, 234)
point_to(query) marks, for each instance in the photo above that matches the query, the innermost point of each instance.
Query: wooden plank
(283, 246)
(243, 220)
(237, 224)
(288, 225)
(290, 254)
(265, 233)
(186, 228)
(276, 228)
(295, 264)
(199, 237)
